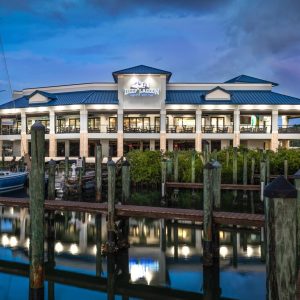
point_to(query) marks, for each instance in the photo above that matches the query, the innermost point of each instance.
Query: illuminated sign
(141, 89)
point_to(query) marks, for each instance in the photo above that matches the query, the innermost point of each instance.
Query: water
(153, 265)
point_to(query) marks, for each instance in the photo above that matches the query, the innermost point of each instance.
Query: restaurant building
(142, 109)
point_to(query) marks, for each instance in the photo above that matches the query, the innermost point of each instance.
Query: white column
(83, 133)
(198, 140)
(24, 145)
(120, 137)
(236, 137)
(163, 136)
(274, 135)
(52, 138)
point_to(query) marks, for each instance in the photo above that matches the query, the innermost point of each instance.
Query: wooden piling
(286, 169)
(176, 166)
(98, 172)
(216, 184)
(66, 167)
(169, 168)
(245, 167)
(262, 178)
(125, 181)
(234, 165)
(111, 238)
(252, 170)
(163, 177)
(208, 214)
(268, 171)
(51, 180)
(98, 229)
(37, 198)
(206, 153)
(281, 229)
(83, 165)
(193, 158)
(297, 186)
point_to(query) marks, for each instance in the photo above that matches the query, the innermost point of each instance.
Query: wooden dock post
(111, 236)
(169, 168)
(262, 179)
(208, 173)
(227, 158)
(51, 180)
(216, 185)
(281, 228)
(37, 198)
(252, 170)
(125, 181)
(245, 167)
(234, 166)
(98, 229)
(66, 167)
(163, 177)
(268, 171)
(297, 186)
(176, 165)
(98, 172)
(286, 169)
(206, 153)
(83, 165)
(193, 159)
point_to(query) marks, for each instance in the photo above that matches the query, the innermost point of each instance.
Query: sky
(73, 41)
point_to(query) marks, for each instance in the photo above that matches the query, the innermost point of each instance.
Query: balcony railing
(102, 129)
(67, 129)
(255, 129)
(47, 130)
(217, 129)
(7, 131)
(289, 129)
(146, 129)
(181, 129)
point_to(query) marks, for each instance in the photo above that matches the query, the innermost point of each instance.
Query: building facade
(143, 110)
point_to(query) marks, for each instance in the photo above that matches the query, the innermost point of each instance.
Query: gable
(218, 94)
(38, 98)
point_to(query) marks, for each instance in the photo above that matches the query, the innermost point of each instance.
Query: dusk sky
(73, 41)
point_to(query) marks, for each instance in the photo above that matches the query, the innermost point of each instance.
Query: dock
(224, 186)
(226, 218)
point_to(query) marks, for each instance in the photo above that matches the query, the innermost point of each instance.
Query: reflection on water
(163, 253)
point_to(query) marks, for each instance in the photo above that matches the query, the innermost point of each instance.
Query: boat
(12, 181)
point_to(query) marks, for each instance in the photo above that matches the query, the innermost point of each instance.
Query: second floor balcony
(142, 129)
(289, 129)
(217, 129)
(181, 129)
(102, 129)
(10, 131)
(255, 129)
(67, 129)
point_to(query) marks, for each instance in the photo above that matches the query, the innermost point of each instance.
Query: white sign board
(141, 89)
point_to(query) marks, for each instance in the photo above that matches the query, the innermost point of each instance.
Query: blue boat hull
(12, 182)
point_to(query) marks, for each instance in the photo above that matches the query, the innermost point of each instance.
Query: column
(274, 135)
(236, 133)
(24, 145)
(163, 136)
(152, 145)
(170, 145)
(198, 140)
(83, 133)
(52, 138)
(120, 137)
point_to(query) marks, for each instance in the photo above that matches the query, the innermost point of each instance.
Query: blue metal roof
(237, 97)
(249, 79)
(141, 69)
(68, 98)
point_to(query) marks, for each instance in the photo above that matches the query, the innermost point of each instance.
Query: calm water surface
(166, 254)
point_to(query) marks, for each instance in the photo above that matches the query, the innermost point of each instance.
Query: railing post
(98, 172)
(281, 228)
(176, 165)
(262, 179)
(125, 181)
(268, 171)
(37, 198)
(51, 179)
(111, 236)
